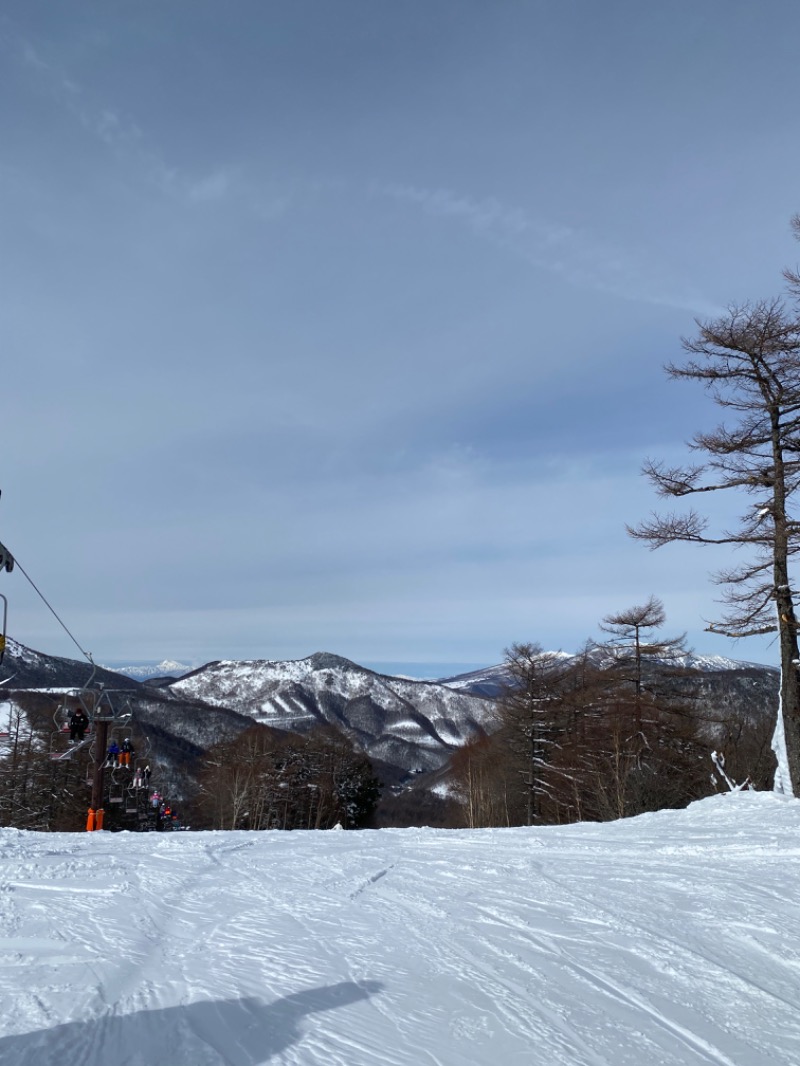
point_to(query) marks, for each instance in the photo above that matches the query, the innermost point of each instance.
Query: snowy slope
(721, 662)
(670, 939)
(411, 724)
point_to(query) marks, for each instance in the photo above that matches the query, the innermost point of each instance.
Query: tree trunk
(789, 718)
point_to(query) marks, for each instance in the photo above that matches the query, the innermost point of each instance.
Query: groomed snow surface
(673, 938)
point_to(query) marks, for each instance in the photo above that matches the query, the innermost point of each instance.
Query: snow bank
(673, 938)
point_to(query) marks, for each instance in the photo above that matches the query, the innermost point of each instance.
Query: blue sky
(341, 325)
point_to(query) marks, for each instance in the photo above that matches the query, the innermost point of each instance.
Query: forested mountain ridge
(492, 680)
(25, 668)
(404, 724)
(414, 725)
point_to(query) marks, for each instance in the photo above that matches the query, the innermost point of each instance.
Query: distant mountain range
(146, 671)
(403, 724)
(491, 681)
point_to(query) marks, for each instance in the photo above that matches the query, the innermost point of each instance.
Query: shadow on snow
(233, 1032)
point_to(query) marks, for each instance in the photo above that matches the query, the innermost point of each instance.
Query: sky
(342, 326)
(669, 938)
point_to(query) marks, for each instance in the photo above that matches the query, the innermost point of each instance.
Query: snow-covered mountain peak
(325, 660)
(412, 724)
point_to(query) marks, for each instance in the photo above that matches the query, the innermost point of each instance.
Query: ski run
(672, 939)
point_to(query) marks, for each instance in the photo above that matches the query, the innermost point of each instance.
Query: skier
(78, 724)
(112, 758)
(125, 752)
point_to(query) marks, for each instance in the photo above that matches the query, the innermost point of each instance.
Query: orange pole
(90, 821)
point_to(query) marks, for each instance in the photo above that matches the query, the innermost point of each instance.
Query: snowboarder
(78, 724)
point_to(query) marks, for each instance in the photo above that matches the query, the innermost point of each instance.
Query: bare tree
(534, 714)
(749, 361)
(632, 644)
(37, 792)
(485, 781)
(268, 779)
(793, 276)
(606, 733)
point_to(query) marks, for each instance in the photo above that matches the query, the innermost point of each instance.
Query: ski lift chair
(141, 757)
(61, 715)
(69, 703)
(5, 622)
(98, 705)
(116, 789)
(6, 563)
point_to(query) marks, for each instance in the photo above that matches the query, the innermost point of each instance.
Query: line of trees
(267, 779)
(37, 792)
(263, 779)
(47, 794)
(618, 730)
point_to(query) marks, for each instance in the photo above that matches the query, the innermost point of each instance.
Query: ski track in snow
(671, 939)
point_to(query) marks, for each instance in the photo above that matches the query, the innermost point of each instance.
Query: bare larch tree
(632, 644)
(749, 361)
(530, 709)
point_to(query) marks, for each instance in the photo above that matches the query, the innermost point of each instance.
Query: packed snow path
(671, 939)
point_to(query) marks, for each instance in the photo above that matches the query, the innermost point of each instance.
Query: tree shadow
(228, 1032)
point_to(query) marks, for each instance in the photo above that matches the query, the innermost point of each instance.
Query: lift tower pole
(101, 724)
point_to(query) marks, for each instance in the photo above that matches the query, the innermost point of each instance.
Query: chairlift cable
(53, 611)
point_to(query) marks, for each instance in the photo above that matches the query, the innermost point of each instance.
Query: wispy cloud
(125, 139)
(119, 133)
(578, 256)
(215, 186)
